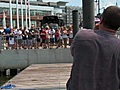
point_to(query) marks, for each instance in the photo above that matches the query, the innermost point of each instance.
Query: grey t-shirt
(96, 61)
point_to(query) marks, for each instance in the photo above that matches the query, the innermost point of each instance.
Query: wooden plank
(43, 77)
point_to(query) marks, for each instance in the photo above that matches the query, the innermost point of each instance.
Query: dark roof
(62, 3)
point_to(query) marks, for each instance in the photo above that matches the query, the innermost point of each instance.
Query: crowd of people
(35, 38)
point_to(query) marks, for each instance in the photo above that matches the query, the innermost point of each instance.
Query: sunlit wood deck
(43, 77)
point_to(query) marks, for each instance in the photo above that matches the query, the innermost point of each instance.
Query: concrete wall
(12, 59)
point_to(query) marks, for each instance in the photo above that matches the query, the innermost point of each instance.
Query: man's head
(111, 17)
(33, 26)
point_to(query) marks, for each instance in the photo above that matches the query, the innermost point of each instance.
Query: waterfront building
(69, 17)
(24, 13)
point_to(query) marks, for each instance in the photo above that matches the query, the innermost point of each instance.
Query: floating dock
(43, 77)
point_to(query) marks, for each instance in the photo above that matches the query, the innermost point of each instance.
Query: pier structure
(42, 77)
(20, 59)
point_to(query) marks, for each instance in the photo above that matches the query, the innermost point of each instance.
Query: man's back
(95, 54)
(7, 31)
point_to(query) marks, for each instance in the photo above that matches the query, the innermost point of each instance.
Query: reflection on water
(4, 79)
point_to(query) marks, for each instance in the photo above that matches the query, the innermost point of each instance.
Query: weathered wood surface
(43, 77)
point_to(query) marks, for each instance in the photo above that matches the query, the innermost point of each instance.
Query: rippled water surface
(4, 79)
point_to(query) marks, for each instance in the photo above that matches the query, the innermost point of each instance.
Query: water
(4, 79)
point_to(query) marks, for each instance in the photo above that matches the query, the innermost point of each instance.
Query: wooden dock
(43, 77)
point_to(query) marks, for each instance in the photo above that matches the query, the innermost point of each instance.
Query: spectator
(57, 37)
(18, 34)
(30, 43)
(43, 36)
(52, 37)
(47, 36)
(11, 41)
(33, 32)
(65, 36)
(70, 33)
(38, 39)
(60, 39)
(7, 32)
(24, 39)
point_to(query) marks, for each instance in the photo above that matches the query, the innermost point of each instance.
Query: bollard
(75, 21)
(88, 14)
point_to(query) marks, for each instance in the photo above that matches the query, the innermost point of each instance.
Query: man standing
(96, 55)
(7, 32)
(33, 32)
(52, 37)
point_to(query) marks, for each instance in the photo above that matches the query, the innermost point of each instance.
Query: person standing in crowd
(6, 33)
(60, 39)
(57, 38)
(24, 39)
(52, 37)
(47, 35)
(18, 34)
(33, 33)
(11, 40)
(96, 55)
(30, 43)
(46, 25)
(65, 36)
(43, 36)
(70, 33)
(38, 38)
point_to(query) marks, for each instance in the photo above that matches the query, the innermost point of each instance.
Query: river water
(4, 79)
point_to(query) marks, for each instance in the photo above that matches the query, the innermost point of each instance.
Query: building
(23, 14)
(69, 17)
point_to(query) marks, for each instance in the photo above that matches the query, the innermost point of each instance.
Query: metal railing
(15, 44)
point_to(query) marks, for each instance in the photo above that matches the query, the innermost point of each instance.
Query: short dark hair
(111, 17)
